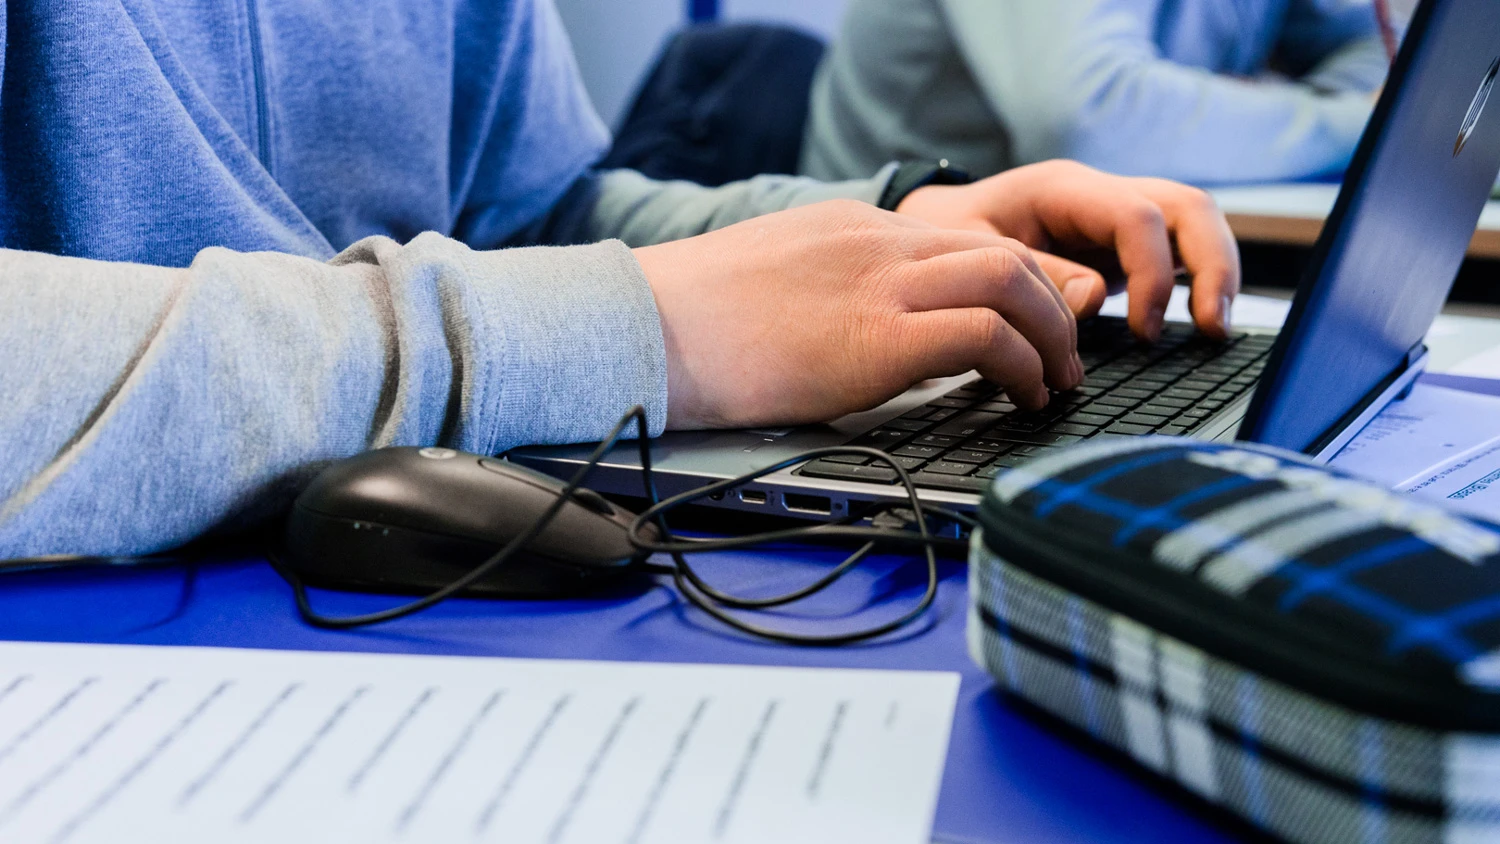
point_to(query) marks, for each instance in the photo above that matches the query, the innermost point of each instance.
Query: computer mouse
(416, 519)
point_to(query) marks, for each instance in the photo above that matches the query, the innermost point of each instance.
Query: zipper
(258, 74)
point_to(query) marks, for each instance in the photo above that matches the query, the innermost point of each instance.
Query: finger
(1082, 207)
(1146, 257)
(1207, 247)
(1001, 280)
(1083, 288)
(951, 342)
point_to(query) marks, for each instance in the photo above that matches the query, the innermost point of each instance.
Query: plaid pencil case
(1311, 652)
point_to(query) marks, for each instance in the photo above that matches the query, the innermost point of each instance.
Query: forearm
(1074, 82)
(624, 204)
(1359, 66)
(147, 406)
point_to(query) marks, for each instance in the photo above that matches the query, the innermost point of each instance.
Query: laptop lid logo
(1476, 108)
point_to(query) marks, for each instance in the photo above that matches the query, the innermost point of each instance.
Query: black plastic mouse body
(416, 519)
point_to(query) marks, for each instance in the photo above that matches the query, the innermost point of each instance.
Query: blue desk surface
(1011, 777)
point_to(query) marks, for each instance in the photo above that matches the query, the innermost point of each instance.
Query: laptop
(1351, 343)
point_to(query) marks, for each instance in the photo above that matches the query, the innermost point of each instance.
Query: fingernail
(1076, 292)
(1225, 303)
(1153, 323)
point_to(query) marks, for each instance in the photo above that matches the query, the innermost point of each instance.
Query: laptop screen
(1388, 255)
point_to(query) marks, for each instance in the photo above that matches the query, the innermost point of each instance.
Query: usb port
(753, 496)
(795, 502)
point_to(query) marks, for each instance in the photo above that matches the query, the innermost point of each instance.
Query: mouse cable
(693, 587)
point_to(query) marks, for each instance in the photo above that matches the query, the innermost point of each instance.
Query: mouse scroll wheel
(594, 501)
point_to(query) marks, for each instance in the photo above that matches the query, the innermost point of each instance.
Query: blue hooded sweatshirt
(133, 130)
(242, 238)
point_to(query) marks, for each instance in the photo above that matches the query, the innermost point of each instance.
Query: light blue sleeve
(145, 407)
(1083, 79)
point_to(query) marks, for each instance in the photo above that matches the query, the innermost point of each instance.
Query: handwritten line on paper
(58, 769)
(664, 777)
(459, 745)
(46, 717)
(255, 726)
(582, 789)
(167, 739)
(742, 773)
(384, 746)
(513, 776)
(825, 751)
(276, 782)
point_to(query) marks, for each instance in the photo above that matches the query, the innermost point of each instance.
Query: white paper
(1470, 483)
(1485, 364)
(137, 744)
(1415, 437)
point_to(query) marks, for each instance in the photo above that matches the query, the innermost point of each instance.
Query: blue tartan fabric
(1409, 591)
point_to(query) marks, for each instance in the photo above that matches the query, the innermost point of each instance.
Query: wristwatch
(919, 174)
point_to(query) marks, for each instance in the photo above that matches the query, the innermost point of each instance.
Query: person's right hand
(808, 314)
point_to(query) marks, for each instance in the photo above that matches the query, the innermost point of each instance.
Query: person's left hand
(1063, 208)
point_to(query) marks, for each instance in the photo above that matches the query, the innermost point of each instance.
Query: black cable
(694, 588)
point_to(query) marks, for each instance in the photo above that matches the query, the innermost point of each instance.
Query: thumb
(1082, 288)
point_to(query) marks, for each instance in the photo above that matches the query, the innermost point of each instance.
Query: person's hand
(1065, 208)
(809, 314)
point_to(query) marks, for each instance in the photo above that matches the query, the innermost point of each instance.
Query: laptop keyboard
(962, 440)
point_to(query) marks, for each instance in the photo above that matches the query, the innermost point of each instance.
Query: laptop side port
(796, 502)
(753, 496)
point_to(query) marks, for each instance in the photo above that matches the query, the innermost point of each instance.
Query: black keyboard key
(1172, 430)
(1021, 422)
(997, 407)
(1155, 409)
(965, 455)
(1094, 419)
(904, 424)
(968, 424)
(989, 444)
(1222, 395)
(1197, 413)
(850, 459)
(939, 414)
(1181, 393)
(1129, 393)
(952, 483)
(910, 464)
(919, 413)
(1074, 429)
(1169, 402)
(948, 467)
(1030, 450)
(1127, 429)
(845, 472)
(1010, 461)
(988, 472)
(883, 438)
(1202, 385)
(948, 401)
(926, 452)
(1041, 438)
(936, 439)
(1116, 401)
(1143, 419)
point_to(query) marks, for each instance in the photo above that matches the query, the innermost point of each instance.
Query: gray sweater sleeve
(147, 406)
(640, 211)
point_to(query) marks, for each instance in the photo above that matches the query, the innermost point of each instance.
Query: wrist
(912, 177)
